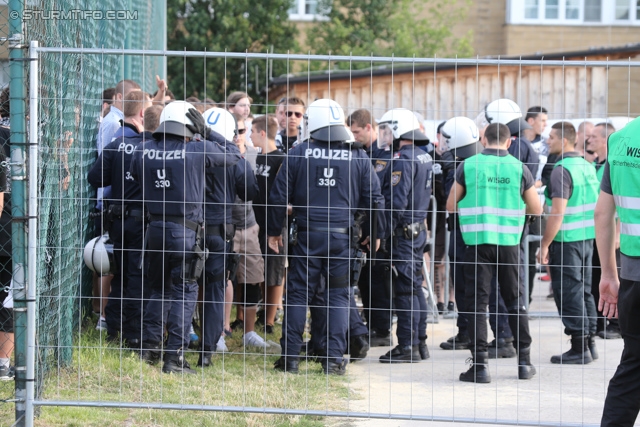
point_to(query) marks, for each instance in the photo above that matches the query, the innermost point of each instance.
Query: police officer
(411, 181)
(126, 217)
(171, 169)
(222, 186)
(325, 180)
(620, 298)
(493, 190)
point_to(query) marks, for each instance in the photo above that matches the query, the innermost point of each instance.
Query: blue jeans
(570, 265)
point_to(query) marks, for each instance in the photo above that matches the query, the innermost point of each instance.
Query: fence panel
(79, 367)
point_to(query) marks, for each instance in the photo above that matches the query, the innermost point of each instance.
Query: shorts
(6, 317)
(275, 264)
(6, 314)
(441, 234)
(251, 264)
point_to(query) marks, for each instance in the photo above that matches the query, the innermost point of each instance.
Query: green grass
(103, 372)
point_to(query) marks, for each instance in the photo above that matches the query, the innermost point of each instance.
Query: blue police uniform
(171, 173)
(222, 187)
(325, 183)
(411, 180)
(127, 297)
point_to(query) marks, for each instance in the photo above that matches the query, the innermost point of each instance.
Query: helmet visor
(385, 136)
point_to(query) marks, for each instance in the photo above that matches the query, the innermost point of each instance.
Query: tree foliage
(231, 26)
(402, 28)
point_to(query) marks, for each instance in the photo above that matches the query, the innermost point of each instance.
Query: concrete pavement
(557, 395)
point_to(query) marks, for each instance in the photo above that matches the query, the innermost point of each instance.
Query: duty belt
(137, 214)
(191, 225)
(325, 229)
(417, 226)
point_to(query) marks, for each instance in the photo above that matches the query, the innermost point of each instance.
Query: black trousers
(623, 396)
(481, 263)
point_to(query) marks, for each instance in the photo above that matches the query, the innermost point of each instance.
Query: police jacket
(325, 183)
(522, 150)
(172, 174)
(411, 179)
(112, 167)
(223, 185)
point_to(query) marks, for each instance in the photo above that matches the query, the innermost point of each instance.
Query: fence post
(18, 142)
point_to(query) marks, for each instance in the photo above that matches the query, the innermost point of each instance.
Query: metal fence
(62, 361)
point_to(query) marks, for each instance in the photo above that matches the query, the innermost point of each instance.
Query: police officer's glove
(198, 126)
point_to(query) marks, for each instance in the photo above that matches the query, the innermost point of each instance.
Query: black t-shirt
(267, 166)
(285, 142)
(560, 184)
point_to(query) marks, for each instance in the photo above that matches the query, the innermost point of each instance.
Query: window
(305, 10)
(622, 10)
(551, 9)
(592, 10)
(572, 10)
(531, 9)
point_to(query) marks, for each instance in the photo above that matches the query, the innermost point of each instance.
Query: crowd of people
(315, 203)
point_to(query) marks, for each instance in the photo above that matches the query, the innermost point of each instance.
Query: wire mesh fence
(79, 366)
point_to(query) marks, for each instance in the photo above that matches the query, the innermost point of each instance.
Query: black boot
(423, 349)
(150, 352)
(333, 368)
(458, 342)
(287, 364)
(379, 338)
(578, 354)
(175, 363)
(478, 371)
(359, 347)
(592, 347)
(526, 370)
(204, 360)
(398, 354)
(501, 348)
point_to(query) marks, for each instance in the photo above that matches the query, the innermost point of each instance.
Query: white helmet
(221, 121)
(403, 124)
(462, 137)
(508, 113)
(173, 120)
(325, 121)
(98, 255)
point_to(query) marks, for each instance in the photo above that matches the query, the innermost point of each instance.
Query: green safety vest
(624, 168)
(577, 224)
(492, 210)
(600, 173)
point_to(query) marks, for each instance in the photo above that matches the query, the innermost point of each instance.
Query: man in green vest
(492, 193)
(567, 243)
(621, 298)
(597, 144)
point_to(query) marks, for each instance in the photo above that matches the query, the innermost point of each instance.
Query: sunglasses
(241, 131)
(297, 114)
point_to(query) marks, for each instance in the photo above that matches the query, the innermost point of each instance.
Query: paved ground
(557, 395)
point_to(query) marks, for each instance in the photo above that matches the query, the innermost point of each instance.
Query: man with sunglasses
(289, 114)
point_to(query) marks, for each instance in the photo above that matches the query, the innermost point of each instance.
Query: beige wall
(531, 39)
(486, 19)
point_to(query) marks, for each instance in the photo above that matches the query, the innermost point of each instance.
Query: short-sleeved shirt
(629, 266)
(560, 183)
(527, 178)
